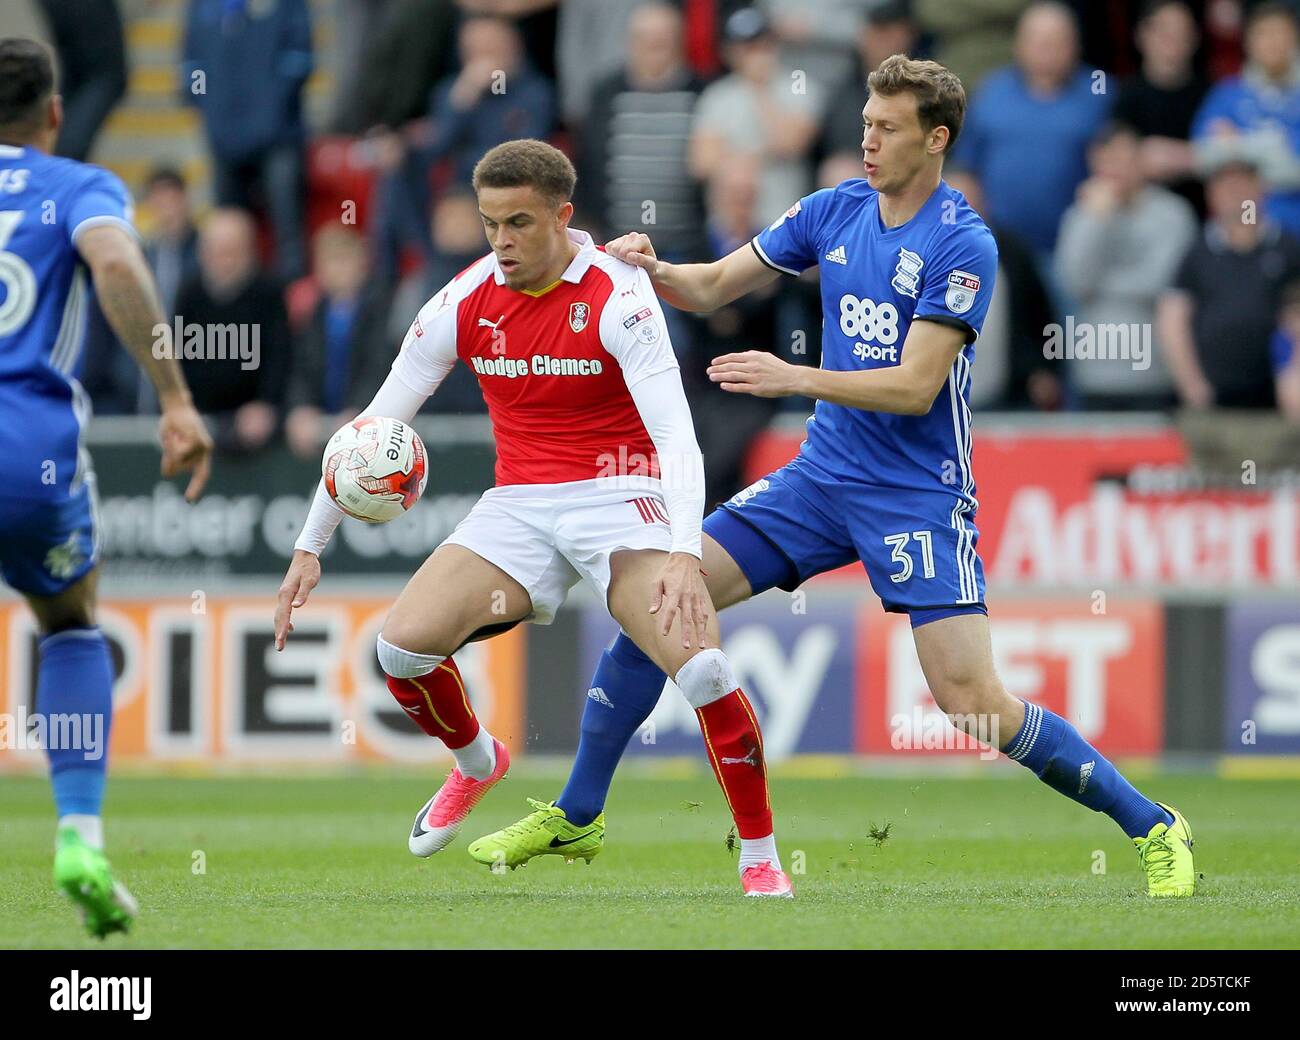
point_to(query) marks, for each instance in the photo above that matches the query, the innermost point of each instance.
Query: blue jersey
(875, 281)
(45, 204)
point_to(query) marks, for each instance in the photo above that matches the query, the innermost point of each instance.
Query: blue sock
(1067, 763)
(76, 681)
(626, 685)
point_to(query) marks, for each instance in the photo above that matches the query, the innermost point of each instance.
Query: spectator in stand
(1262, 105)
(589, 49)
(457, 236)
(357, 27)
(172, 249)
(703, 22)
(536, 21)
(232, 306)
(1161, 101)
(1028, 127)
(343, 353)
(244, 67)
(634, 148)
(756, 111)
(818, 35)
(91, 47)
(1120, 245)
(496, 96)
(114, 387)
(456, 231)
(411, 49)
(888, 29)
(115, 383)
(972, 39)
(1013, 373)
(1285, 356)
(1217, 320)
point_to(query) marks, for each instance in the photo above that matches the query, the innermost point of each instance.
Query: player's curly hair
(940, 97)
(527, 163)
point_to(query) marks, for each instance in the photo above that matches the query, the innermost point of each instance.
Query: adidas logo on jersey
(598, 695)
(838, 255)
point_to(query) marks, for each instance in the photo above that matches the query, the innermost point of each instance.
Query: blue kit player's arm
(950, 309)
(99, 228)
(908, 388)
(695, 287)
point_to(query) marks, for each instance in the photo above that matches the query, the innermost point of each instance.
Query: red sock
(735, 746)
(438, 704)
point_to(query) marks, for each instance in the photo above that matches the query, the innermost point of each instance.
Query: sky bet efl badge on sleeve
(962, 287)
(644, 326)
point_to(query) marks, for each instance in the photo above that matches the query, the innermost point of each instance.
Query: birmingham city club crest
(907, 273)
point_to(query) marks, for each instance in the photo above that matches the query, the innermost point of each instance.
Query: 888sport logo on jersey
(874, 326)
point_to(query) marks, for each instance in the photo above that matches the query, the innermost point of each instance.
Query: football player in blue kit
(884, 476)
(59, 221)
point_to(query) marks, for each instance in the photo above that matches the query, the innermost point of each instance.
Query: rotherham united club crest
(578, 314)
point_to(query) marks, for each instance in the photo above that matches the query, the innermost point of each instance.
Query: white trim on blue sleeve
(102, 221)
(762, 255)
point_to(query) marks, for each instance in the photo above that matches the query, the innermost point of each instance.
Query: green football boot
(84, 875)
(1166, 856)
(543, 832)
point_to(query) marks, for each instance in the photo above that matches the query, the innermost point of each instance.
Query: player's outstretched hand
(186, 445)
(755, 372)
(636, 249)
(680, 592)
(302, 577)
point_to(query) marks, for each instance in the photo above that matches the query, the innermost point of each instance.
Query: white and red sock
(754, 851)
(733, 740)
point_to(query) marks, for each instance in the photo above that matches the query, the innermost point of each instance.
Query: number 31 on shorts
(899, 554)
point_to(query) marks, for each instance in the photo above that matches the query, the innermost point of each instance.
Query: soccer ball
(374, 468)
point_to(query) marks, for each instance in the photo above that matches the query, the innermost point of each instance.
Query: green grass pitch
(987, 861)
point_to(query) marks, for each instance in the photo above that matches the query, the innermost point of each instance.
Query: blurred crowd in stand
(1139, 164)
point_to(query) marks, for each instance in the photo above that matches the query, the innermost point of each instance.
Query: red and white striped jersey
(554, 365)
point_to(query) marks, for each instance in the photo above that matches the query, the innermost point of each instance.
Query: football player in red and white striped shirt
(598, 477)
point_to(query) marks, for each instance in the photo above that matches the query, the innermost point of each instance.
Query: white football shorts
(549, 536)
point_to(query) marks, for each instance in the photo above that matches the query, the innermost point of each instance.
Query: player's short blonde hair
(527, 163)
(940, 97)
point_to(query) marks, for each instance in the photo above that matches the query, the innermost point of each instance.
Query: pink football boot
(440, 819)
(763, 879)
